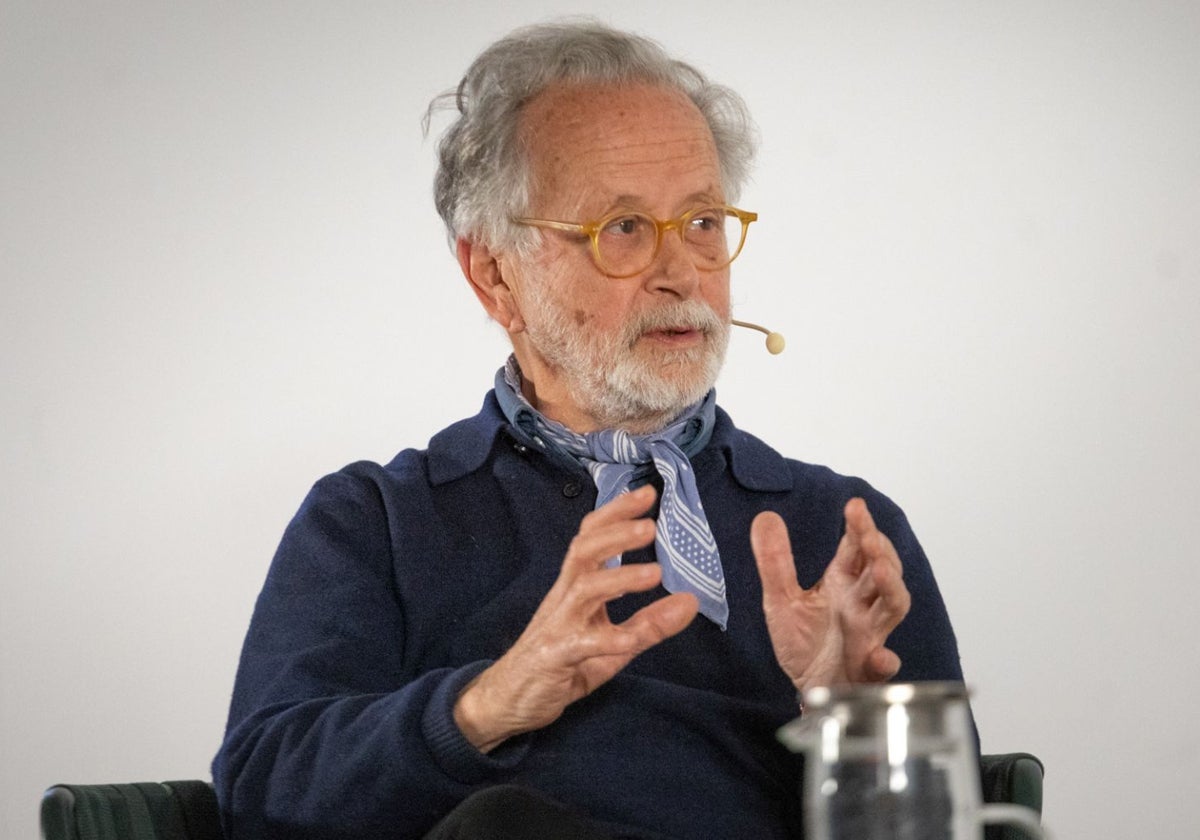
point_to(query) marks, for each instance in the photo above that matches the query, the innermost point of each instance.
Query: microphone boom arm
(775, 342)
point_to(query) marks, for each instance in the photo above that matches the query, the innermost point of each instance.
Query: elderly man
(585, 611)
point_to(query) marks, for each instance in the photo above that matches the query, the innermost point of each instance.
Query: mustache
(682, 314)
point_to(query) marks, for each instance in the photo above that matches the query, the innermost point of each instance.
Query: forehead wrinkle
(650, 153)
(587, 150)
(610, 170)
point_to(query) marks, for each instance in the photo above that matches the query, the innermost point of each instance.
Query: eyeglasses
(626, 243)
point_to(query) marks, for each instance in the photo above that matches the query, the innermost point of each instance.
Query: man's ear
(485, 272)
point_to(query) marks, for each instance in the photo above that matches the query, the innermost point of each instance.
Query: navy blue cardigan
(394, 585)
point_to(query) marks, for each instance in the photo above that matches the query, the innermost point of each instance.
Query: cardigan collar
(466, 445)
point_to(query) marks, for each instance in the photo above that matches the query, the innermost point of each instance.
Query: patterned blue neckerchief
(683, 541)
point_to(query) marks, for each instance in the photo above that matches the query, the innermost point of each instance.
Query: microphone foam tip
(775, 344)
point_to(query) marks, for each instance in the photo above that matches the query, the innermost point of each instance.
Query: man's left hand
(833, 633)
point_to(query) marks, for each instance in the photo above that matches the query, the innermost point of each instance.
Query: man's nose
(673, 270)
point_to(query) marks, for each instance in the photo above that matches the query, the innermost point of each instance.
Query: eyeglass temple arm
(573, 227)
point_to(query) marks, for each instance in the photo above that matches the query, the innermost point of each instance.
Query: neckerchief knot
(683, 541)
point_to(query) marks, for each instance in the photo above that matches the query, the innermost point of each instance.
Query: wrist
(471, 715)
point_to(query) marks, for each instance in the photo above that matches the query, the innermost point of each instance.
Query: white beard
(610, 381)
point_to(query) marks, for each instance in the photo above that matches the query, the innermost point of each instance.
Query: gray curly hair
(483, 176)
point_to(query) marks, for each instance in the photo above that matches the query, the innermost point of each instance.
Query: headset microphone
(775, 341)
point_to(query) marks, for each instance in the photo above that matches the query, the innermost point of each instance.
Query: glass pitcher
(894, 762)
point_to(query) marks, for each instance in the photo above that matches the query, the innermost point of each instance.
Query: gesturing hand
(570, 647)
(833, 633)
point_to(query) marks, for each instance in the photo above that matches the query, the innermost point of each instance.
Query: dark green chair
(188, 810)
(1015, 778)
(145, 811)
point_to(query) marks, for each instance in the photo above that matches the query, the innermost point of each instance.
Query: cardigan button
(572, 489)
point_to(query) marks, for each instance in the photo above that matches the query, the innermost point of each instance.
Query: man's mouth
(675, 334)
(685, 325)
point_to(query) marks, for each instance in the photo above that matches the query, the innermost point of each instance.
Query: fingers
(773, 554)
(661, 620)
(598, 587)
(863, 543)
(882, 664)
(859, 521)
(585, 584)
(881, 571)
(878, 597)
(569, 646)
(625, 506)
(881, 581)
(849, 558)
(610, 530)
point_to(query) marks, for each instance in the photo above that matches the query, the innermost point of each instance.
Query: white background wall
(223, 277)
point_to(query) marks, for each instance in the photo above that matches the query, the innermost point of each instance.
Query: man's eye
(625, 226)
(707, 221)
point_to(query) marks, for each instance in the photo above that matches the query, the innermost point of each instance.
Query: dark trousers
(509, 812)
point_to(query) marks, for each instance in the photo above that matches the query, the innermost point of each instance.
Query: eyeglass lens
(627, 243)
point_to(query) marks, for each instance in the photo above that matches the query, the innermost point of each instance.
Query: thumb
(773, 555)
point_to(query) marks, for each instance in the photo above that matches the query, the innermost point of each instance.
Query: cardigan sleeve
(332, 733)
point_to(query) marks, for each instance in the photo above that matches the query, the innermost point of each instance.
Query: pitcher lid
(822, 697)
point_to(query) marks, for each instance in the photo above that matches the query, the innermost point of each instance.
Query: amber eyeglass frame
(661, 226)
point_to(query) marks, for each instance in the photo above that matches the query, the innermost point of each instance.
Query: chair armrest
(131, 811)
(1012, 777)
(58, 814)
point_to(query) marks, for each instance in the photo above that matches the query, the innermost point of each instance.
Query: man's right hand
(570, 647)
